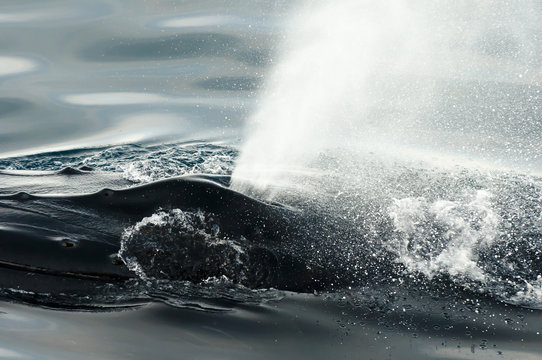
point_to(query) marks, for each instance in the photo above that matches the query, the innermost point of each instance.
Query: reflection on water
(6, 18)
(300, 326)
(199, 21)
(45, 13)
(114, 98)
(231, 23)
(140, 98)
(178, 46)
(133, 128)
(11, 65)
(89, 64)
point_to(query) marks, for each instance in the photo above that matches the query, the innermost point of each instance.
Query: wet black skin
(51, 241)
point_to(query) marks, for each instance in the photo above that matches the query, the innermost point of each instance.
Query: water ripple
(198, 21)
(14, 65)
(141, 98)
(19, 17)
(114, 98)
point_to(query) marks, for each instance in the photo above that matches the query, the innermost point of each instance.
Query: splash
(448, 80)
(408, 126)
(444, 236)
(180, 244)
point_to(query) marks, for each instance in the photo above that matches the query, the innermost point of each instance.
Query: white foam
(176, 220)
(154, 167)
(161, 218)
(444, 236)
(530, 295)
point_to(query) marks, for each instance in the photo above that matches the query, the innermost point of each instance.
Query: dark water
(445, 265)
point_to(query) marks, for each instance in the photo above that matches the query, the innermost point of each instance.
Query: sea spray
(412, 79)
(405, 129)
(318, 94)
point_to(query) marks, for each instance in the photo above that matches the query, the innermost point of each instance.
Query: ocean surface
(418, 215)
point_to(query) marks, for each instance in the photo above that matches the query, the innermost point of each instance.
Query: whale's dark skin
(59, 233)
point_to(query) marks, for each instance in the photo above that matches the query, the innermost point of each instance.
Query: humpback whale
(64, 231)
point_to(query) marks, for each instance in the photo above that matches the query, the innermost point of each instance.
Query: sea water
(408, 130)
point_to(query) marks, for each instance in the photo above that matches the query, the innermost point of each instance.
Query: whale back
(67, 240)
